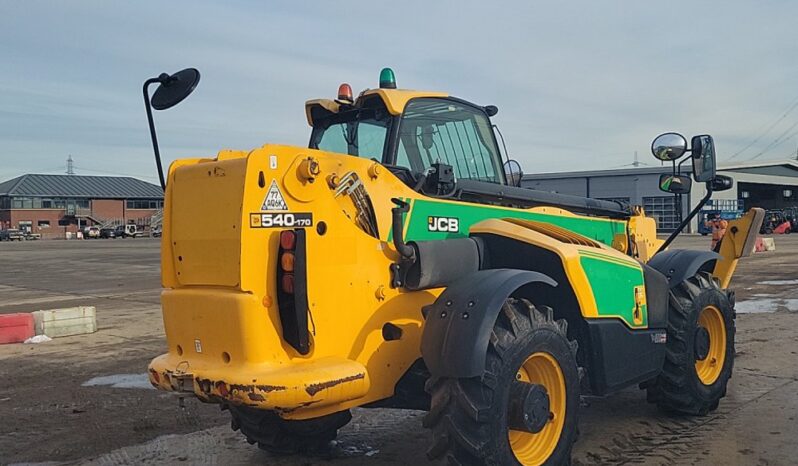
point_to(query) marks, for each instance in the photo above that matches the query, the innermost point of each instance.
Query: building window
(43, 224)
(144, 204)
(5, 202)
(662, 208)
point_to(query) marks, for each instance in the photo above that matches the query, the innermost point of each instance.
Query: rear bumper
(283, 388)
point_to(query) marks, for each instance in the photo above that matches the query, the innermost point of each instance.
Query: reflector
(288, 283)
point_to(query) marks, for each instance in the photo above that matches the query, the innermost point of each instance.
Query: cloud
(579, 84)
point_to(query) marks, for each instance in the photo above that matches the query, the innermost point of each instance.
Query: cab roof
(395, 101)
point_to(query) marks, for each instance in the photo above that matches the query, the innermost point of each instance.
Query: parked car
(12, 234)
(108, 233)
(32, 236)
(91, 233)
(155, 232)
(127, 231)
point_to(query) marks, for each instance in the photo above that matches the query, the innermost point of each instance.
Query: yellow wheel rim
(709, 368)
(534, 449)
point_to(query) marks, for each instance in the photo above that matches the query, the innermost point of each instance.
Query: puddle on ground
(121, 381)
(759, 306)
(778, 282)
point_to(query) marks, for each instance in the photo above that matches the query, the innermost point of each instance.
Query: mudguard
(680, 264)
(459, 323)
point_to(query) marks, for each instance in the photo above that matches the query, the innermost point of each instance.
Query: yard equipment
(776, 222)
(394, 262)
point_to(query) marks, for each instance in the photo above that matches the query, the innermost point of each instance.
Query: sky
(579, 84)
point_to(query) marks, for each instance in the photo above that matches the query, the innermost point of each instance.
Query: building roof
(751, 167)
(79, 186)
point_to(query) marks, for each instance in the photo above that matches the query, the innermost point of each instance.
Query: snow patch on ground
(121, 381)
(778, 282)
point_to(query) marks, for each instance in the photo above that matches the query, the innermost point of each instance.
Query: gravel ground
(50, 414)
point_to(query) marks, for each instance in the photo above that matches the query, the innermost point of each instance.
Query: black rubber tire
(285, 437)
(678, 389)
(468, 416)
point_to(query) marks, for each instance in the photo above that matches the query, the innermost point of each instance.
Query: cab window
(447, 131)
(359, 131)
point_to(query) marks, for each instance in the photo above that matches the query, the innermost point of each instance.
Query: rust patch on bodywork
(304, 404)
(256, 396)
(315, 388)
(254, 392)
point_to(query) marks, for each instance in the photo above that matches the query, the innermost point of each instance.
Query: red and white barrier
(15, 328)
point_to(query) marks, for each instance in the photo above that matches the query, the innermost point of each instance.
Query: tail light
(287, 260)
(292, 296)
(287, 240)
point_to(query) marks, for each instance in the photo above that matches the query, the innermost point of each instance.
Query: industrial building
(770, 185)
(58, 206)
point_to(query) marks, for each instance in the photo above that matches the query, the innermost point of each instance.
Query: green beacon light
(387, 79)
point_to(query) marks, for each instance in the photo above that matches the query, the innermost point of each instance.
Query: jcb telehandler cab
(395, 263)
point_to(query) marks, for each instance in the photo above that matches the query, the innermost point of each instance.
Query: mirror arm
(687, 220)
(506, 154)
(153, 136)
(679, 172)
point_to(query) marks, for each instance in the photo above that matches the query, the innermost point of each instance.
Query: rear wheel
(523, 409)
(282, 436)
(700, 348)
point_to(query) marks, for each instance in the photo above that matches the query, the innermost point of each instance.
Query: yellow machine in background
(396, 262)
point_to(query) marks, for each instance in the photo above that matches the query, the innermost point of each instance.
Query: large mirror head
(513, 171)
(703, 158)
(669, 146)
(173, 89)
(676, 184)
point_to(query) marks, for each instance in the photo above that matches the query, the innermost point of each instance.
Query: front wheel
(523, 409)
(700, 348)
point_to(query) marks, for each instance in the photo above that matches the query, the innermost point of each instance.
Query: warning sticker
(274, 199)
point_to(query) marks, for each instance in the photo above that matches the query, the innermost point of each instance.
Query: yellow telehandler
(397, 262)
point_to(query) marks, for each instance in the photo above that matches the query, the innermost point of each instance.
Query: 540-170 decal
(281, 220)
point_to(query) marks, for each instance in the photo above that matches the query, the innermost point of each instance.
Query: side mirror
(171, 91)
(676, 184)
(669, 146)
(703, 158)
(175, 88)
(491, 110)
(722, 183)
(513, 172)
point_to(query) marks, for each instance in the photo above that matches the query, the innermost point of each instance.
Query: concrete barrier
(15, 328)
(65, 322)
(764, 244)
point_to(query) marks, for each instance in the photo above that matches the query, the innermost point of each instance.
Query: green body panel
(613, 283)
(612, 280)
(599, 229)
